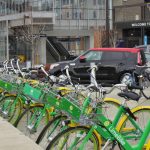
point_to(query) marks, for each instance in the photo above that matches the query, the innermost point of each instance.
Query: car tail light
(139, 60)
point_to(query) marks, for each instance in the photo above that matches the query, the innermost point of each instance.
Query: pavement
(12, 139)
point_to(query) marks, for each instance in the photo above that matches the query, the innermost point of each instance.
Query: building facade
(131, 21)
(26, 25)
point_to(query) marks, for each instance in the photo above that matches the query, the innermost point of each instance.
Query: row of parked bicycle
(58, 114)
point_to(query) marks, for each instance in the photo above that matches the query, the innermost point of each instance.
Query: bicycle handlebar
(68, 75)
(44, 71)
(6, 66)
(100, 88)
(19, 68)
(52, 78)
(11, 62)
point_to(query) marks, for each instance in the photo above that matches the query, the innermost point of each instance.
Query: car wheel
(127, 78)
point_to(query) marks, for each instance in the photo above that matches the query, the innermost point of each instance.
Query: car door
(112, 62)
(81, 66)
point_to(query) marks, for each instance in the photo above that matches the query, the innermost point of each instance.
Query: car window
(131, 57)
(112, 56)
(93, 55)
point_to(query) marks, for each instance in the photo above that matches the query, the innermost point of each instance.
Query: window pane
(108, 56)
(93, 55)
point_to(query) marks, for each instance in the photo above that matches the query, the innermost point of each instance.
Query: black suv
(114, 64)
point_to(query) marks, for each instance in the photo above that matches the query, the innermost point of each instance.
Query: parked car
(115, 65)
(146, 48)
(147, 55)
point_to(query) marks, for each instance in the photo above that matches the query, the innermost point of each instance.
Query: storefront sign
(126, 25)
(141, 24)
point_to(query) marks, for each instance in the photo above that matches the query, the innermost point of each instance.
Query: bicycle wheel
(142, 113)
(50, 131)
(110, 107)
(10, 108)
(147, 146)
(46, 134)
(32, 121)
(72, 138)
(1, 93)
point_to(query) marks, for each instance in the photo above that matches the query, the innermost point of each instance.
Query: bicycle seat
(129, 95)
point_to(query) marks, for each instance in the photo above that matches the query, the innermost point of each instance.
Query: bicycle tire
(10, 108)
(50, 131)
(140, 112)
(108, 102)
(93, 142)
(147, 146)
(24, 118)
(110, 107)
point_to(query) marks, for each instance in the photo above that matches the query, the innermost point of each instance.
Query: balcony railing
(62, 12)
(8, 7)
(131, 13)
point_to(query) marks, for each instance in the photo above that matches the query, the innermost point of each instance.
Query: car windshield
(82, 54)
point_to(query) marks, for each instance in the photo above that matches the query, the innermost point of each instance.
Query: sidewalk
(12, 139)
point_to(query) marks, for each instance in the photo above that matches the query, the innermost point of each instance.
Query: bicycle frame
(35, 120)
(108, 131)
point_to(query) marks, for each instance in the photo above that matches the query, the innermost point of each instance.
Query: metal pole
(32, 41)
(7, 40)
(107, 23)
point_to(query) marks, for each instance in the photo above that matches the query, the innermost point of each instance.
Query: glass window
(65, 2)
(101, 2)
(93, 55)
(112, 56)
(94, 2)
(94, 14)
(130, 57)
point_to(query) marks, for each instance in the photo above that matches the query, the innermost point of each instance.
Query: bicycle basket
(33, 93)
(63, 104)
(7, 86)
(6, 77)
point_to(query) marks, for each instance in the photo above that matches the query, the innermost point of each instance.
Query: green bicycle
(99, 128)
(30, 122)
(55, 125)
